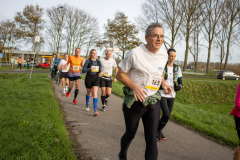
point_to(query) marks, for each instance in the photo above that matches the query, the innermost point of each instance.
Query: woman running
(236, 113)
(64, 73)
(93, 68)
(172, 74)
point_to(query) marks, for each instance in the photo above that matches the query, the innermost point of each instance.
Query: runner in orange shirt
(74, 72)
(19, 63)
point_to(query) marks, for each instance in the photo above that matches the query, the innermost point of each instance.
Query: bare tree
(79, 26)
(92, 40)
(233, 17)
(150, 14)
(55, 27)
(196, 38)
(214, 9)
(190, 7)
(221, 39)
(166, 11)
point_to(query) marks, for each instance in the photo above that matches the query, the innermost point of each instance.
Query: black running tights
(150, 118)
(166, 106)
(237, 122)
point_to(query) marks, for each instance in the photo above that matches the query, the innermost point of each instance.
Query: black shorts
(105, 82)
(64, 74)
(91, 80)
(74, 78)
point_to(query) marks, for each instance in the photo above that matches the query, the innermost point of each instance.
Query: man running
(28, 62)
(74, 72)
(12, 61)
(64, 73)
(144, 68)
(19, 62)
(56, 62)
(107, 65)
(51, 62)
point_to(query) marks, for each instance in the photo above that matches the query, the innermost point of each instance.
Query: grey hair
(77, 48)
(151, 27)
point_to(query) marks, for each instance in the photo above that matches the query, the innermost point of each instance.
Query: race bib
(96, 69)
(105, 74)
(75, 68)
(65, 69)
(153, 82)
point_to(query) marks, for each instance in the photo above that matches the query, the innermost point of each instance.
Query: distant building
(40, 57)
(190, 67)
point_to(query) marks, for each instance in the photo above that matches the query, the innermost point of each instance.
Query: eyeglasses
(156, 36)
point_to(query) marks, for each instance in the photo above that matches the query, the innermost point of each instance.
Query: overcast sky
(103, 10)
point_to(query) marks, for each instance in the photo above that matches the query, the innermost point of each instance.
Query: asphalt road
(99, 137)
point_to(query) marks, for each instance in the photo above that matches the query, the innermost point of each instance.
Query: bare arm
(138, 92)
(168, 89)
(116, 70)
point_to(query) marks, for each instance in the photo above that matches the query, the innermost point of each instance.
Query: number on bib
(105, 74)
(96, 69)
(75, 68)
(153, 82)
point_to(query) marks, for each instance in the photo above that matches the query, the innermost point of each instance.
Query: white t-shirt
(107, 66)
(63, 62)
(12, 60)
(145, 67)
(170, 82)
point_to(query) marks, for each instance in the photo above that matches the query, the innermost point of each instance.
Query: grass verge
(31, 124)
(7, 68)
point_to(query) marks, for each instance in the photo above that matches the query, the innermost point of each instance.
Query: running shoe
(68, 93)
(87, 108)
(75, 101)
(66, 88)
(163, 137)
(63, 91)
(103, 108)
(159, 136)
(106, 102)
(95, 113)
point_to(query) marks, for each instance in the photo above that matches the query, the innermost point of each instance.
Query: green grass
(205, 105)
(7, 68)
(30, 119)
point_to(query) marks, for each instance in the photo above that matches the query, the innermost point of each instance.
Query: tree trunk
(228, 46)
(222, 54)
(186, 52)
(209, 53)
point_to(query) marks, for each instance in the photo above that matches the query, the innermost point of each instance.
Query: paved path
(99, 137)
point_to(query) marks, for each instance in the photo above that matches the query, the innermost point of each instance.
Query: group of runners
(98, 72)
(151, 81)
(19, 63)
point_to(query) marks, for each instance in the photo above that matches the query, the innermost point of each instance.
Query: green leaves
(123, 32)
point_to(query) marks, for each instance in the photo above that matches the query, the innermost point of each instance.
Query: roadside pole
(1, 56)
(37, 40)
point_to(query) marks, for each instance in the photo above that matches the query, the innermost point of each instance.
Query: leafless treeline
(197, 22)
(66, 28)
(69, 27)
